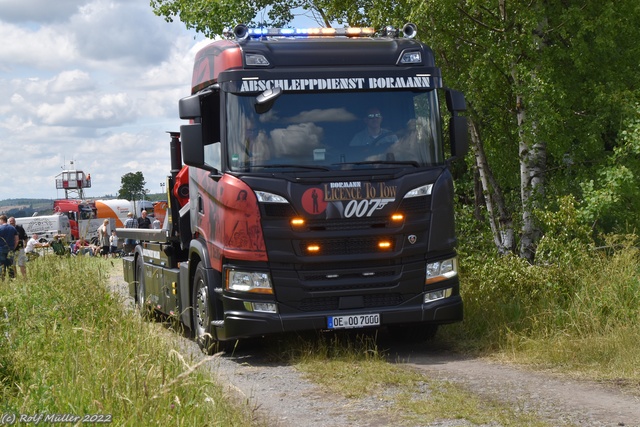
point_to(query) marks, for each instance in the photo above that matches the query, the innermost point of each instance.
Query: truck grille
(333, 303)
(346, 224)
(347, 246)
(331, 276)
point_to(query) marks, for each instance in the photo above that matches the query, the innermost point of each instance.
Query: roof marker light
(256, 60)
(411, 58)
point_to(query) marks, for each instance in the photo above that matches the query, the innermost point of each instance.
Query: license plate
(353, 321)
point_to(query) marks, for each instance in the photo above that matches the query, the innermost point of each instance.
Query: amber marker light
(297, 222)
(313, 248)
(384, 244)
(397, 217)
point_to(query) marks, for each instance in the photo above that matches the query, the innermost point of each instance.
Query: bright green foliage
(132, 186)
(213, 17)
(571, 63)
(612, 200)
(566, 235)
(576, 308)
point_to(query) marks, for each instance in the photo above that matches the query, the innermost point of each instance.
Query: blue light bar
(310, 32)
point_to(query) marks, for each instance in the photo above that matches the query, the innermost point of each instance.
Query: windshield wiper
(384, 162)
(321, 168)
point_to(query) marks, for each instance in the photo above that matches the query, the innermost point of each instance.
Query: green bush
(578, 305)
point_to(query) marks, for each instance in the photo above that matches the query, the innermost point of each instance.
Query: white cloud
(38, 11)
(71, 81)
(44, 48)
(96, 82)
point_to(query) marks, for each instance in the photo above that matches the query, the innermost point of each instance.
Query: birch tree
(546, 84)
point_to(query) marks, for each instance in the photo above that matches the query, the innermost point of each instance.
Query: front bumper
(246, 324)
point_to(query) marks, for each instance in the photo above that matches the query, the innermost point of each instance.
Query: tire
(141, 291)
(204, 312)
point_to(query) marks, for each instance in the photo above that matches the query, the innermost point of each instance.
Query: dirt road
(280, 394)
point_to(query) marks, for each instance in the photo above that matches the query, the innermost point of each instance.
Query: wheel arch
(198, 253)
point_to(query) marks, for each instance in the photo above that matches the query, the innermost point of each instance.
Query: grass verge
(67, 346)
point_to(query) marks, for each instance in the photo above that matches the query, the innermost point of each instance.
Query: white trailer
(46, 227)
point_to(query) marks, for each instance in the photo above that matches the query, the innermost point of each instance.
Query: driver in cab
(373, 134)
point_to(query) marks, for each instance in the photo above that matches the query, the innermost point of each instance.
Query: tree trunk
(533, 156)
(499, 219)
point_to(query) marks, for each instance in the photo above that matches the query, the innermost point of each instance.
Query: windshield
(334, 130)
(85, 212)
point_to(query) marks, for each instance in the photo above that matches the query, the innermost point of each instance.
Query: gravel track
(282, 397)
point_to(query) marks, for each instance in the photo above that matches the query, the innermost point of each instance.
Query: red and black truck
(310, 190)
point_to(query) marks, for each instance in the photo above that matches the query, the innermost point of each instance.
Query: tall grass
(68, 345)
(577, 309)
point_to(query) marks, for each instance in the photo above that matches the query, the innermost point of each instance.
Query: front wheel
(204, 313)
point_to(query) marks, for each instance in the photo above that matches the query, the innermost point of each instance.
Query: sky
(91, 85)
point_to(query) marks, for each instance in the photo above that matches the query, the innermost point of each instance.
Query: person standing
(144, 221)
(103, 238)
(113, 243)
(156, 224)
(8, 242)
(129, 244)
(20, 260)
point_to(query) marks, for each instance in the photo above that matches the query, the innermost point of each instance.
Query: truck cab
(319, 192)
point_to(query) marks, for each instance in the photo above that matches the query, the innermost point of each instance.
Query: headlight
(266, 197)
(441, 270)
(424, 190)
(249, 281)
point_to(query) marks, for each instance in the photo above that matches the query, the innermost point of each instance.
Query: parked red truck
(280, 218)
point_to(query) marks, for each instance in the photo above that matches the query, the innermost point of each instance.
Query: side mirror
(203, 110)
(192, 147)
(458, 132)
(458, 129)
(264, 102)
(455, 101)
(189, 107)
